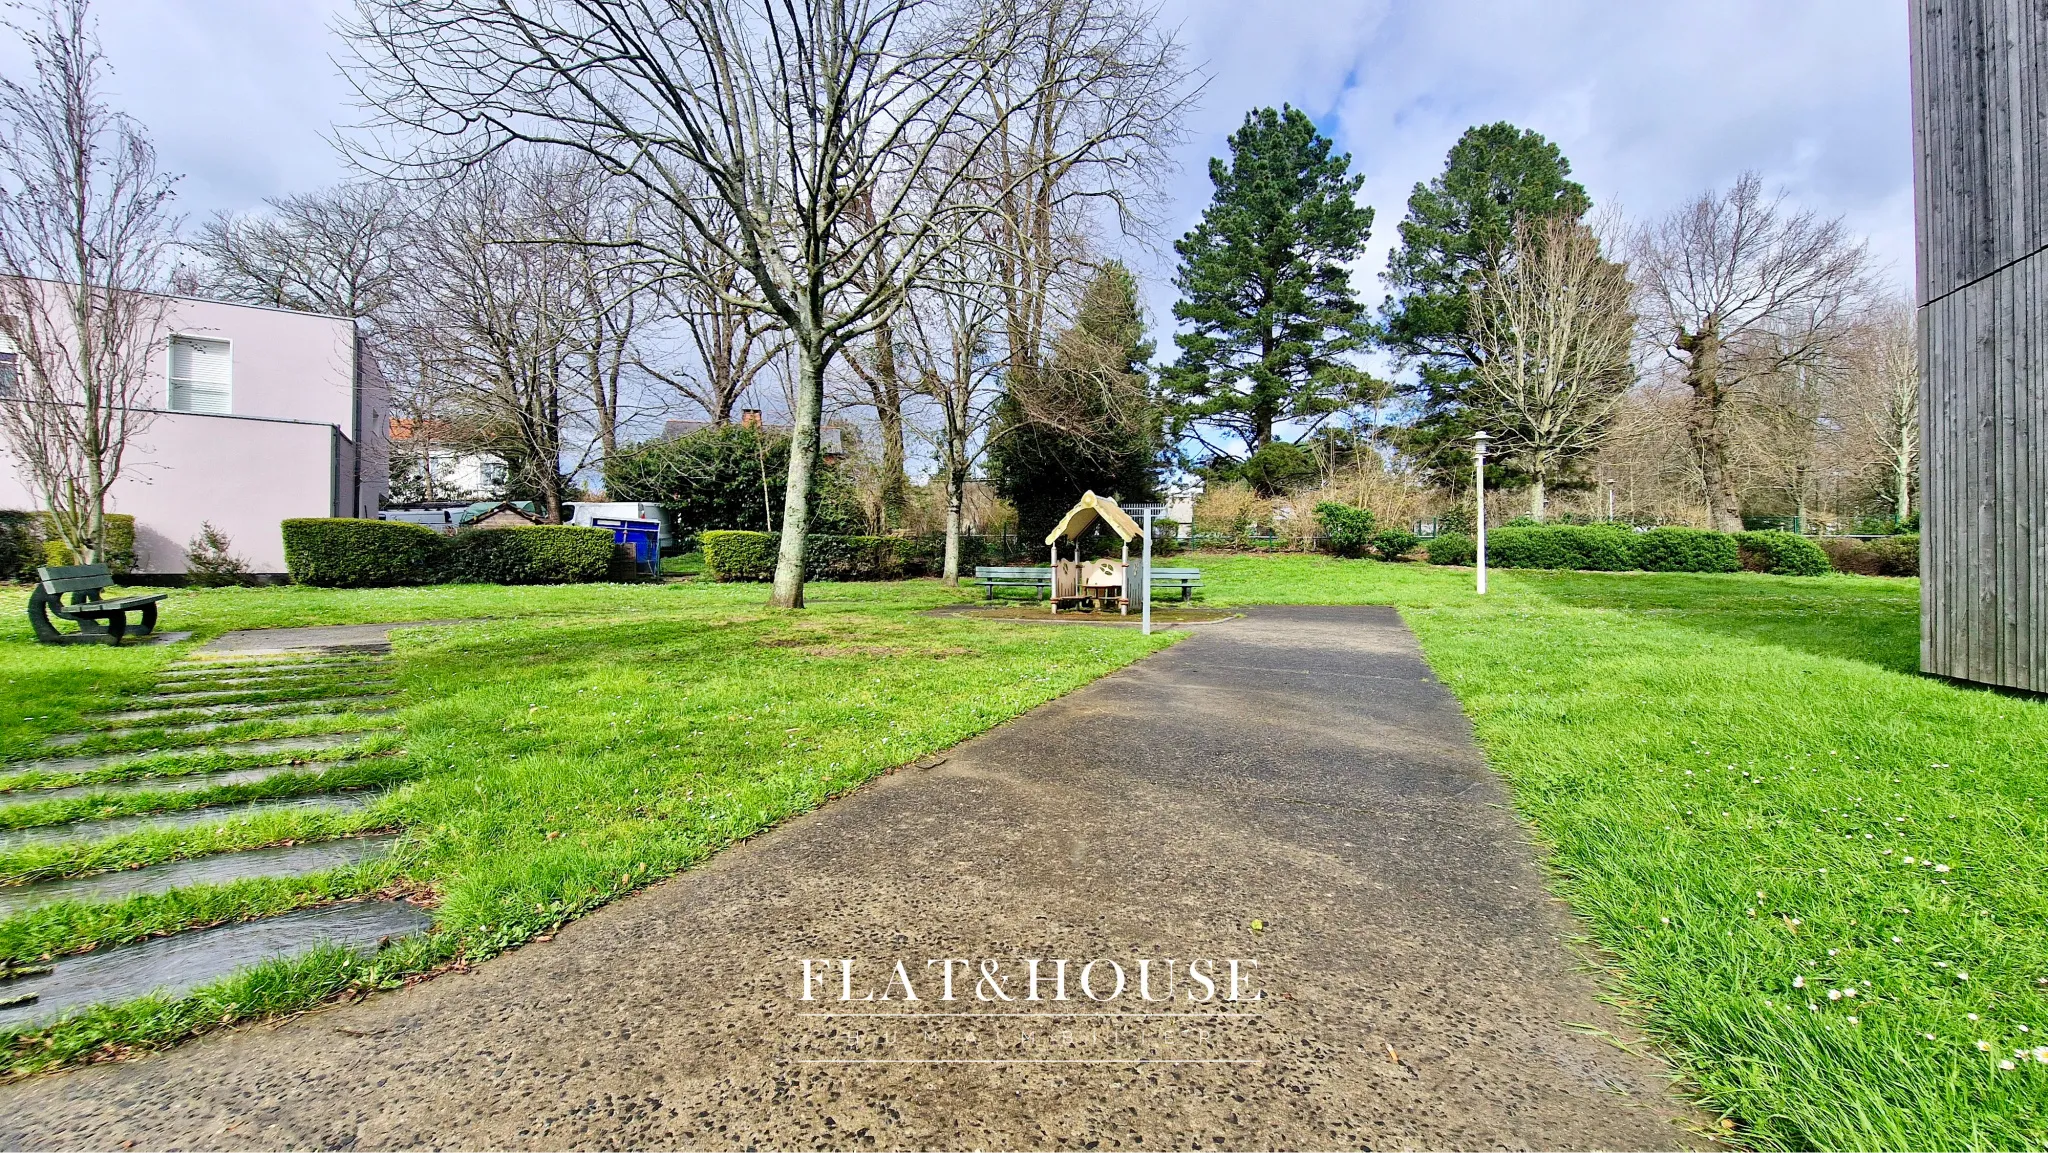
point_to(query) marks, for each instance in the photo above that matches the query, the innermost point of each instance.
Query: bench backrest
(1023, 571)
(1176, 574)
(73, 578)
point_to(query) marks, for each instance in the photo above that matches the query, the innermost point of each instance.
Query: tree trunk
(803, 461)
(888, 390)
(1708, 432)
(956, 496)
(1536, 489)
(1902, 470)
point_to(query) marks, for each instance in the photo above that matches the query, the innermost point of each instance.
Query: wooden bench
(1186, 578)
(1038, 579)
(99, 621)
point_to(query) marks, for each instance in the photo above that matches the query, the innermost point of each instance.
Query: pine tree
(1496, 176)
(1265, 292)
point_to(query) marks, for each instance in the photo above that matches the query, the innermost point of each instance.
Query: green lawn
(1752, 798)
(578, 744)
(1730, 773)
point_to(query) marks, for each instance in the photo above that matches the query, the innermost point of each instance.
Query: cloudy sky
(1652, 100)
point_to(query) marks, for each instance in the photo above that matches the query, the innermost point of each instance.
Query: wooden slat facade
(1980, 134)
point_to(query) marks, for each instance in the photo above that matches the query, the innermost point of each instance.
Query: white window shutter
(201, 377)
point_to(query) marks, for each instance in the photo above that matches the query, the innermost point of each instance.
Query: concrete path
(324, 638)
(1293, 789)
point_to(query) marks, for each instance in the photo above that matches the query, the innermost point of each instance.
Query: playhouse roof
(1091, 508)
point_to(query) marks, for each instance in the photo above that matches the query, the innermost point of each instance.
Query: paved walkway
(1299, 769)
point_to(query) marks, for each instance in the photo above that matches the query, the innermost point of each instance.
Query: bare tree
(337, 251)
(1085, 116)
(499, 314)
(822, 129)
(1737, 286)
(732, 343)
(1884, 404)
(1553, 323)
(85, 232)
(956, 321)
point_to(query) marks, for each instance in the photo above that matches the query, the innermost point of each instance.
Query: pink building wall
(303, 398)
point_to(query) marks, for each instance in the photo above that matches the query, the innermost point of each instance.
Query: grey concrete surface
(327, 638)
(1293, 789)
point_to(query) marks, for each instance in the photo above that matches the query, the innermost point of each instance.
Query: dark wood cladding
(1980, 86)
(1980, 115)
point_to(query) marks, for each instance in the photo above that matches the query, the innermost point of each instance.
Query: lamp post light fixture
(1479, 440)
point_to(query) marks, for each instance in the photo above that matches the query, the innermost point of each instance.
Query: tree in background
(1884, 398)
(1272, 322)
(1736, 288)
(1087, 421)
(725, 477)
(1458, 225)
(338, 251)
(1552, 324)
(85, 232)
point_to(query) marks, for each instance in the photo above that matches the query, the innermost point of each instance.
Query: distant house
(427, 466)
(257, 415)
(831, 436)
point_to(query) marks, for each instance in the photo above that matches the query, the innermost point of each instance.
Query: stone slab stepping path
(173, 966)
(186, 783)
(1294, 788)
(196, 712)
(329, 638)
(108, 827)
(224, 696)
(218, 868)
(324, 708)
(313, 743)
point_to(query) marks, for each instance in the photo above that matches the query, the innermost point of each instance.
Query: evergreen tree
(1087, 421)
(1495, 176)
(1265, 291)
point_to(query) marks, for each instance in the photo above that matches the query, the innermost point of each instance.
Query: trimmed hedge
(1885, 556)
(739, 555)
(351, 553)
(1783, 553)
(119, 555)
(1686, 550)
(1598, 548)
(1452, 548)
(543, 554)
(21, 545)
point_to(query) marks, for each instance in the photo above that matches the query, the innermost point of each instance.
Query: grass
(1753, 798)
(1718, 767)
(572, 745)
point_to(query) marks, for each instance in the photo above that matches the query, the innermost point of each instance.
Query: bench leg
(117, 625)
(39, 617)
(148, 621)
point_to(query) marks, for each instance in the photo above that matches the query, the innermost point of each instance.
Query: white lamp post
(1479, 490)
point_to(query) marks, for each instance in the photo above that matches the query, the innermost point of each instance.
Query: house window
(200, 378)
(10, 374)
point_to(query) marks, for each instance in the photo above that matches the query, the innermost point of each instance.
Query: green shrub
(1598, 548)
(21, 545)
(344, 552)
(1346, 531)
(118, 556)
(1897, 555)
(1393, 543)
(739, 555)
(1686, 550)
(1783, 553)
(727, 477)
(1452, 548)
(542, 554)
(735, 555)
(210, 561)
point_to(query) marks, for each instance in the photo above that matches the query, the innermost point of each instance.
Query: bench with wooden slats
(100, 621)
(1038, 579)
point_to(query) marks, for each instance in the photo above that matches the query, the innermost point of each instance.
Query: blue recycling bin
(643, 535)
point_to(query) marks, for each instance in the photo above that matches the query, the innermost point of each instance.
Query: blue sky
(1653, 101)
